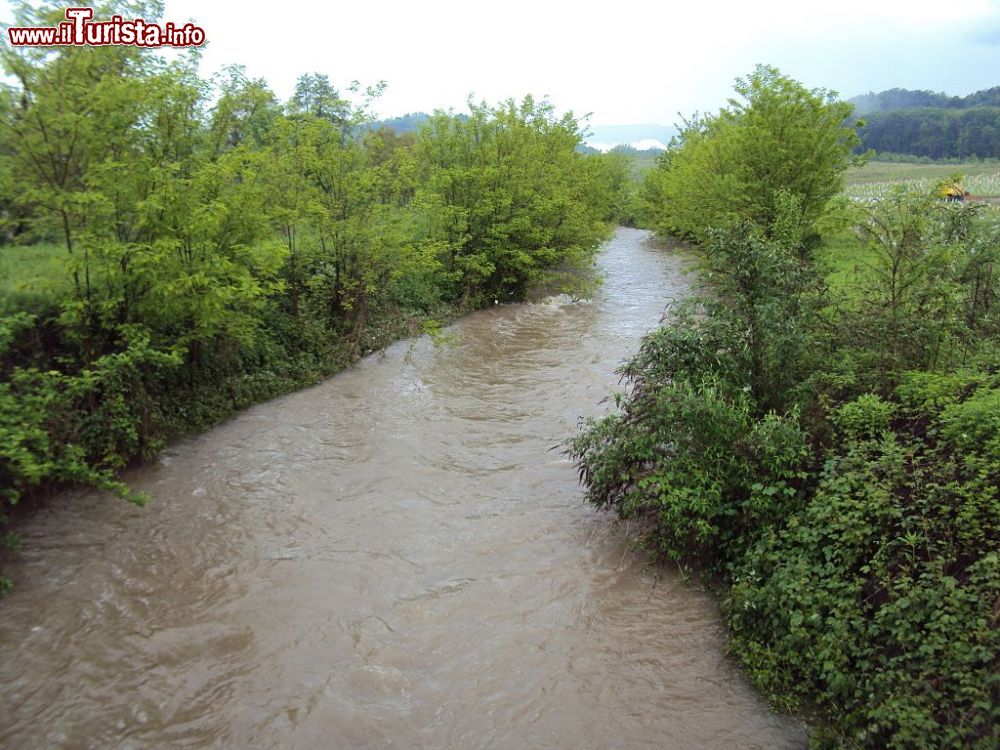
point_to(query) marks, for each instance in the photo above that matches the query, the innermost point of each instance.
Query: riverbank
(398, 553)
(234, 248)
(835, 462)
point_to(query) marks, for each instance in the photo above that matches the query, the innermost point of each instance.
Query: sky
(623, 62)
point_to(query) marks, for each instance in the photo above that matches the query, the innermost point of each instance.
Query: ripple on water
(399, 555)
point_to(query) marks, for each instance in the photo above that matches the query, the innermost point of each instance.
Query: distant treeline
(627, 150)
(930, 125)
(893, 99)
(411, 122)
(934, 133)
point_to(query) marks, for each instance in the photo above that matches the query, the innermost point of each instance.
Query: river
(397, 557)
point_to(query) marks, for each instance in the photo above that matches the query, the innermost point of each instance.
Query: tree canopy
(776, 143)
(936, 133)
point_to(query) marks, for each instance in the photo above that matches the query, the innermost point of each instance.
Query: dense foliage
(831, 455)
(894, 99)
(779, 144)
(928, 124)
(934, 133)
(411, 122)
(220, 247)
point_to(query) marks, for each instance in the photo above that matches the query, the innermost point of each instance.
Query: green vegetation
(895, 99)
(876, 170)
(931, 125)
(175, 251)
(641, 161)
(411, 122)
(821, 433)
(32, 277)
(877, 179)
(780, 143)
(936, 133)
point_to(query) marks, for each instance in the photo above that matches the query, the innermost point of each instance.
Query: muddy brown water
(393, 558)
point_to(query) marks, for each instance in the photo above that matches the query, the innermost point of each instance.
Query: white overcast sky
(625, 62)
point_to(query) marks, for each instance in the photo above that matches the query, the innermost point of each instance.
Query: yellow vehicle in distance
(952, 190)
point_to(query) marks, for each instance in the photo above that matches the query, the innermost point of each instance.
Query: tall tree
(779, 142)
(315, 95)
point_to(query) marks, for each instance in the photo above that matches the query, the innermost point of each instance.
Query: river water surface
(394, 558)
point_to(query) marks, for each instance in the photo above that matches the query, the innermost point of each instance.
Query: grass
(33, 276)
(875, 179)
(985, 175)
(845, 262)
(884, 171)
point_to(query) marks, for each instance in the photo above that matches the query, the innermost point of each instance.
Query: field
(844, 259)
(30, 276)
(876, 178)
(846, 263)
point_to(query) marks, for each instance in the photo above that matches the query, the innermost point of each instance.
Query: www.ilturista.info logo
(78, 30)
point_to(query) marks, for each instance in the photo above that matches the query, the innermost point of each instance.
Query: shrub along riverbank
(821, 433)
(185, 248)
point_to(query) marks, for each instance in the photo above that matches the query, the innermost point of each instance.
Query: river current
(397, 557)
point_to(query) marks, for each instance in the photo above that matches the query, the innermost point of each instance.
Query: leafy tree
(779, 141)
(510, 194)
(611, 176)
(316, 96)
(72, 112)
(222, 252)
(244, 113)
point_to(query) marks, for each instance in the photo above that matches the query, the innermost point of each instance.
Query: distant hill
(641, 137)
(628, 150)
(408, 123)
(931, 124)
(601, 138)
(893, 99)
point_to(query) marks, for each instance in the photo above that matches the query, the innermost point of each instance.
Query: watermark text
(80, 30)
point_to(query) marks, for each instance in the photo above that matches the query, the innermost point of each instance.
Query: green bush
(875, 602)
(867, 417)
(779, 140)
(838, 467)
(697, 448)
